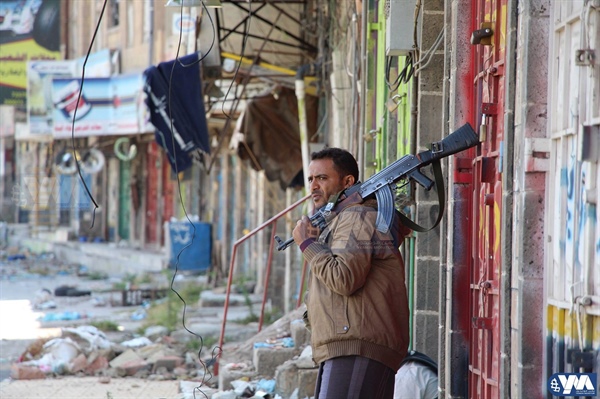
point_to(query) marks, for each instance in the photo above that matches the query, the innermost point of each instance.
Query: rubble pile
(273, 363)
(86, 351)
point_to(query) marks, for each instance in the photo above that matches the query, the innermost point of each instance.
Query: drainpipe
(304, 70)
(413, 213)
(362, 117)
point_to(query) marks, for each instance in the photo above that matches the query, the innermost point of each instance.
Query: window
(114, 13)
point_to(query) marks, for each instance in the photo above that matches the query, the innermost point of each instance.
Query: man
(356, 303)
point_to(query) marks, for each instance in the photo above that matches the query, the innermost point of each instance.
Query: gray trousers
(354, 377)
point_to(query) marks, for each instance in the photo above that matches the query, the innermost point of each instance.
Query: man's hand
(304, 230)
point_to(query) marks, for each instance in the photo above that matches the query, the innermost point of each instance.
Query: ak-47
(383, 183)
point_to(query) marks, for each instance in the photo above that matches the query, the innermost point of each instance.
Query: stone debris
(275, 363)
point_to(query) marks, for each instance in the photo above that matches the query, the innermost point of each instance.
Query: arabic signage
(39, 86)
(29, 30)
(101, 106)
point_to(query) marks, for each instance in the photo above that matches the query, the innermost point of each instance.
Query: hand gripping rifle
(383, 183)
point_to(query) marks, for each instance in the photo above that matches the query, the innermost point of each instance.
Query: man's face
(324, 181)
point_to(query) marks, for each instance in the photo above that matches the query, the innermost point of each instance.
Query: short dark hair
(344, 162)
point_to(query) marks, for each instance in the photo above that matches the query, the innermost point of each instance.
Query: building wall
(572, 232)
(430, 128)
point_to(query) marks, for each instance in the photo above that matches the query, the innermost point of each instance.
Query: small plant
(96, 275)
(130, 278)
(145, 278)
(205, 344)
(105, 325)
(167, 313)
(268, 318)
(190, 292)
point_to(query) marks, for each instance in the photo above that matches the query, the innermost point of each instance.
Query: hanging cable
(87, 190)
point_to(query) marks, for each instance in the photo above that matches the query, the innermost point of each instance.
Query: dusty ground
(22, 286)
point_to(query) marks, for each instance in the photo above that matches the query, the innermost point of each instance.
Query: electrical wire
(403, 77)
(429, 53)
(89, 51)
(216, 350)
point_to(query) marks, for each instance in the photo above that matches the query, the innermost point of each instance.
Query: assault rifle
(383, 183)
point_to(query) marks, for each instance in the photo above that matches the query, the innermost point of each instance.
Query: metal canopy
(262, 41)
(266, 39)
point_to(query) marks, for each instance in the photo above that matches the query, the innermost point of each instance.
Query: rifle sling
(439, 186)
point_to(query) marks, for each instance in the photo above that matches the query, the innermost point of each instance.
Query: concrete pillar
(527, 213)
(454, 284)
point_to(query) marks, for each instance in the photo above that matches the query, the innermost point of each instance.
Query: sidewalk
(92, 388)
(107, 257)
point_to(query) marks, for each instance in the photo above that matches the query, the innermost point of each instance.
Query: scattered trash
(83, 271)
(69, 290)
(43, 300)
(266, 385)
(45, 305)
(58, 353)
(137, 342)
(139, 314)
(93, 338)
(276, 343)
(16, 257)
(98, 301)
(63, 316)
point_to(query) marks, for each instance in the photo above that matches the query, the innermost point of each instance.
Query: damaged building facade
(504, 293)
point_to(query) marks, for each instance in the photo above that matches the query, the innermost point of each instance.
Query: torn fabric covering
(270, 138)
(185, 108)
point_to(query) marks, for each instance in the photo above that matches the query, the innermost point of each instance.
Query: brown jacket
(357, 302)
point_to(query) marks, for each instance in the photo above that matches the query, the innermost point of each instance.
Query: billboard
(39, 86)
(29, 30)
(101, 106)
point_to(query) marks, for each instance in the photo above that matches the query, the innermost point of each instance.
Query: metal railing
(272, 221)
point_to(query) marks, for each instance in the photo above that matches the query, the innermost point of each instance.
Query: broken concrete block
(78, 364)
(305, 360)
(300, 333)
(22, 372)
(127, 356)
(266, 360)
(95, 366)
(131, 367)
(289, 378)
(234, 371)
(168, 362)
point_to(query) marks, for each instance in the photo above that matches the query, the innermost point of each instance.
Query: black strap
(439, 186)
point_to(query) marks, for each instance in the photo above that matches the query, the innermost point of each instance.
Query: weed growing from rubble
(195, 344)
(105, 325)
(96, 275)
(168, 311)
